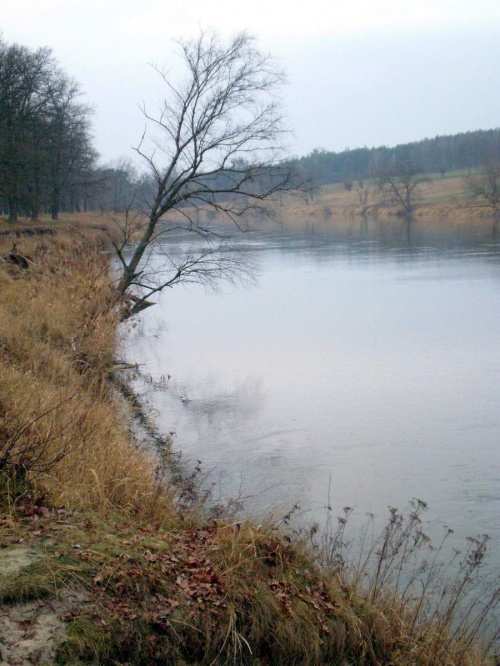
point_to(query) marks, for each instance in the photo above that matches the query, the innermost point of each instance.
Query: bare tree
(71, 155)
(216, 146)
(485, 187)
(45, 142)
(400, 184)
(25, 86)
(363, 192)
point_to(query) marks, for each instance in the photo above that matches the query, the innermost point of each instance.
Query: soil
(30, 632)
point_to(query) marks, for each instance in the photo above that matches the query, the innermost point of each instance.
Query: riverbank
(103, 562)
(446, 198)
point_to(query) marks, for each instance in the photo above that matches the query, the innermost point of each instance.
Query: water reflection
(366, 358)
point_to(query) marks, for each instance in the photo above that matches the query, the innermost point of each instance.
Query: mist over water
(362, 369)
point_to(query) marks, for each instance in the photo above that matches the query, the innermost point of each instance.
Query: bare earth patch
(13, 560)
(30, 633)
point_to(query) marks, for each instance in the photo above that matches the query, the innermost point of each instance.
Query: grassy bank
(445, 199)
(102, 560)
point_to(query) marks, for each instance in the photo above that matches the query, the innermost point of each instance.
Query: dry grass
(63, 424)
(443, 600)
(216, 594)
(446, 199)
(157, 589)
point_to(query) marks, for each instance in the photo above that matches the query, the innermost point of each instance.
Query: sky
(360, 72)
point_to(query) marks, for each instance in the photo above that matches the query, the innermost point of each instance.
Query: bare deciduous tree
(363, 192)
(45, 143)
(399, 185)
(25, 86)
(70, 153)
(216, 146)
(485, 187)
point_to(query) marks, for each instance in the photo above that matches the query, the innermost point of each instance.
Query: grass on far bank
(445, 198)
(100, 540)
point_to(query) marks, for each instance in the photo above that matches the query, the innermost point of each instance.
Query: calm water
(365, 359)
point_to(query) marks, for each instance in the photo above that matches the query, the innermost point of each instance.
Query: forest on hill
(443, 154)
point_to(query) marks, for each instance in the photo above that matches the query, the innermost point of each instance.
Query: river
(362, 369)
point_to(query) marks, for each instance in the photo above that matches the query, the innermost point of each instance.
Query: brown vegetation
(449, 199)
(134, 577)
(62, 419)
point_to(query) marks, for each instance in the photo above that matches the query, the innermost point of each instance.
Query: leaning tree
(216, 144)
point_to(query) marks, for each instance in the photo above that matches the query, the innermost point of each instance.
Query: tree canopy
(215, 144)
(46, 149)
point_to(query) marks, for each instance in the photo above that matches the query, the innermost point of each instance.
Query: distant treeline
(457, 152)
(48, 163)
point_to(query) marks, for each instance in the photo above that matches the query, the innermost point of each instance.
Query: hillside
(441, 154)
(446, 198)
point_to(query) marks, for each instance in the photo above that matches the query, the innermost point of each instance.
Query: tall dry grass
(443, 600)
(63, 425)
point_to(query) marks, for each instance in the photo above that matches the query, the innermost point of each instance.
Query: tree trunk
(13, 213)
(55, 204)
(129, 272)
(35, 210)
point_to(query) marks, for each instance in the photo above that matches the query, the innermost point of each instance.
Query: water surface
(362, 369)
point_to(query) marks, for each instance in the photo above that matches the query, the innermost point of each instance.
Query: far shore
(443, 199)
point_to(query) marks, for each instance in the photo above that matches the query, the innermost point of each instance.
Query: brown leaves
(200, 583)
(282, 592)
(35, 508)
(162, 609)
(27, 627)
(71, 615)
(276, 553)
(317, 596)
(157, 578)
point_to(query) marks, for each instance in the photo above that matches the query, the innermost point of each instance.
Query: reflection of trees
(408, 225)
(388, 238)
(364, 238)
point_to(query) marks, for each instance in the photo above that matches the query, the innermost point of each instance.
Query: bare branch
(216, 144)
(485, 187)
(399, 185)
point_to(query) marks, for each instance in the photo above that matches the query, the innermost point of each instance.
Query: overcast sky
(360, 72)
